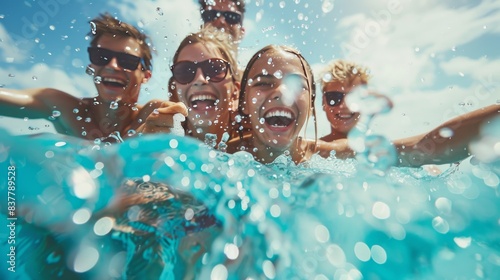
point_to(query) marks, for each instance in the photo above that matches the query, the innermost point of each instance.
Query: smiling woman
(205, 79)
(277, 98)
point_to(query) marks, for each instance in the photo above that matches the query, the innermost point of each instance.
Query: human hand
(163, 119)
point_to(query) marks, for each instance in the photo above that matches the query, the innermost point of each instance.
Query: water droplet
(417, 49)
(88, 119)
(97, 79)
(463, 242)
(262, 120)
(327, 6)
(270, 61)
(261, 130)
(282, 4)
(446, 132)
(52, 27)
(85, 259)
(327, 77)
(90, 71)
(34, 78)
(440, 225)
(131, 132)
(93, 28)
(381, 210)
(75, 111)
(461, 74)
(278, 74)
(113, 105)
(254, 100)
(11, 75)
(159, 11)
(249, 82)
(56, 114)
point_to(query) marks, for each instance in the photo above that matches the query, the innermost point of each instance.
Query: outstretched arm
(30, 103)
(436, 148)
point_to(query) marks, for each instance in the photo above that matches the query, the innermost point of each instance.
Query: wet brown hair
(106, 24)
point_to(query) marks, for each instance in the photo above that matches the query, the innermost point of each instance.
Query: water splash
(180, 208)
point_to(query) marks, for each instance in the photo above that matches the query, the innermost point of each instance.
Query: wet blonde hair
(345, 72)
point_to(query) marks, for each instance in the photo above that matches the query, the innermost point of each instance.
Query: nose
(199, 78)
(279, 91)
(113, 63)
(219, 22)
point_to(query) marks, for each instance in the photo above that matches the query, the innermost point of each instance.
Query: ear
(235, 97)
(147, 75)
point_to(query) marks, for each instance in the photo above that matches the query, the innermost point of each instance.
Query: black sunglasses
(101, 57)
(211, 15)
(214, 69)
(334, 98)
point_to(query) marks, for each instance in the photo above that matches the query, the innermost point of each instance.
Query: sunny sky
(434, 59)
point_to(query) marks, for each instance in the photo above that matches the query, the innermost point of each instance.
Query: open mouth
(114, 82)
(203, 101)
(279, 118)
(345, 116)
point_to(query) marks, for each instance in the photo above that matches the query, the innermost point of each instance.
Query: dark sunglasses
(214, 69)
(211, 15)
(101, 57)
(334, 98)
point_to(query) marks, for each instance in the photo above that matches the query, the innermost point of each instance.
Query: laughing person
(205, 79)
(277, 98)
(120, 60)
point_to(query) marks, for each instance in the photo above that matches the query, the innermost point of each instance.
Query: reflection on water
(163, 206)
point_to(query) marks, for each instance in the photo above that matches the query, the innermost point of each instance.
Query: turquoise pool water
(163, 206)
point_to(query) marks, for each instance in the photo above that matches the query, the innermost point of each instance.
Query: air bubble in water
(327, 6)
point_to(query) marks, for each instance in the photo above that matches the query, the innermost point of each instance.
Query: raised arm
(435, 147)
(30, 103)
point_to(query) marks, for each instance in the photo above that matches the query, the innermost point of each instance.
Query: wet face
(340, 117)
(117, 82)
(236, 30)
(209, 103)
(278, 99)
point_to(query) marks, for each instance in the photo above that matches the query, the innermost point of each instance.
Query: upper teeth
(345, 116)
(278, 113)
(113, 80)
(202, 97)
